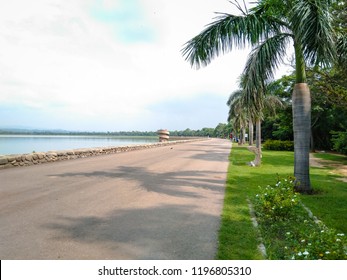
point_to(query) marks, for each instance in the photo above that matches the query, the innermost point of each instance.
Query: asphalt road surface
(160, 203)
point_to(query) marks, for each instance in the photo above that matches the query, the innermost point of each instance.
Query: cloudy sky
(110, 65)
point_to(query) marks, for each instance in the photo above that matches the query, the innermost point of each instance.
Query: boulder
(3, 160)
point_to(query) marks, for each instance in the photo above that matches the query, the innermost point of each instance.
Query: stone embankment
(9, 161)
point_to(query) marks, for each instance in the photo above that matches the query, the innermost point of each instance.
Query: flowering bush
(277, 202)
(289, 232)
(319, 244)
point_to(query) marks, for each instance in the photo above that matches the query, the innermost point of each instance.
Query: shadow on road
(151, 233)
(169, 183)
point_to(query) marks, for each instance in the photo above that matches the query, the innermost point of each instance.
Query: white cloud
(63, 58)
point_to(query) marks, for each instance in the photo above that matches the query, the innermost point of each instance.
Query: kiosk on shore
(163, 135)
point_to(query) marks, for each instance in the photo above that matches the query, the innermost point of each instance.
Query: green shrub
(277, 202)
(339, 140)
(279, 145)
(289, 232)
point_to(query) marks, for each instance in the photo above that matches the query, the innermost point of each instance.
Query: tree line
(222, 130)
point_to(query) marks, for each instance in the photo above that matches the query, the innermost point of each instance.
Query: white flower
(293, 200)
(338, 240)
(288, 232)
(322, 231)
(293, 258)
(327, 252)
(305, 253)
(309, 244)
(340, 234)
(303, 240)
(299, 254)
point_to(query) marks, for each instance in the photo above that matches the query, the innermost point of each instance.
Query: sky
(110, 65)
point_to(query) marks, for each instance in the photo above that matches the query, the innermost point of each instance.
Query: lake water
(22, 144)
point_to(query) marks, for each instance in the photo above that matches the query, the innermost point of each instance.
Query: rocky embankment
(9, 161)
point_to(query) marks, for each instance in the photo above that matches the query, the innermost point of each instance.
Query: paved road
(161, 203)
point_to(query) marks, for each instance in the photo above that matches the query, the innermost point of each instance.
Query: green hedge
(278, 145)
(340, 142)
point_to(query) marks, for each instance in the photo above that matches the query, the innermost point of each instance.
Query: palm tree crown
(269, 28)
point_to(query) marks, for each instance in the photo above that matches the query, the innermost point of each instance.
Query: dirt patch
(338, 168)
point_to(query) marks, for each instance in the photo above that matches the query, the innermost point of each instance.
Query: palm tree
(269, 28)
(238, 113)
(240, 105)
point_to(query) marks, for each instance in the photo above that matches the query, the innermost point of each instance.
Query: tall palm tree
(269, 27)
(238, 113)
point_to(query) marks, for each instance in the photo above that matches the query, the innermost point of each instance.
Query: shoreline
(29, 159)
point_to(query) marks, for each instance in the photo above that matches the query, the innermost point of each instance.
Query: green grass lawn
(237, 236)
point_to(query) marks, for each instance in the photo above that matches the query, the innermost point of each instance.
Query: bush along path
(289, 231)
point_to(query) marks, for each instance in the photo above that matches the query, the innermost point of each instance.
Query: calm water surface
(22, 144)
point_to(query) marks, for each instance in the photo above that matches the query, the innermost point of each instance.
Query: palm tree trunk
(258, 133)
(257, 149)
(302, 134)
(243, 135)
(258, 155)
(251, 132)
(301, 124)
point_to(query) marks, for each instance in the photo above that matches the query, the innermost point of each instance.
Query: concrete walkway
(161, 203)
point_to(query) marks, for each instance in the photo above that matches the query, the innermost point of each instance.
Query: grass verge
(237, 236)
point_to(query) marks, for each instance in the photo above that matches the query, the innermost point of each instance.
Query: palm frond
(237, 109)
(272, 102)
(341, 47)
(226, 33)
(234, 96)
(263, 61)
(312, 25)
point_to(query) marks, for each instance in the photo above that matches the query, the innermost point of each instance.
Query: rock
(51, 155)
(41, 155)
(11, 158)
(29, 157)
(3, 160)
